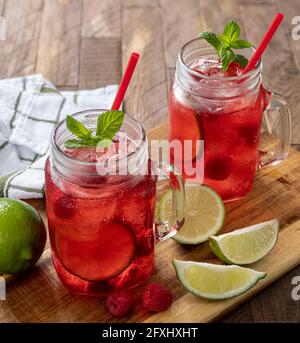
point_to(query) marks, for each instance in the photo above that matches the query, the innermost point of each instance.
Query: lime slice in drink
(216, 282)
(246, 245)
(96, 256)
(205, 213)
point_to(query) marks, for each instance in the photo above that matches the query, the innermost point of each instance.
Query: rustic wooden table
(83, 44)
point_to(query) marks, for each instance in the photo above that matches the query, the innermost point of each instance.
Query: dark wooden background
(83, 44)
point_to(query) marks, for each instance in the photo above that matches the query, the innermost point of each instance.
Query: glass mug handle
(276, 132)
(166, 229)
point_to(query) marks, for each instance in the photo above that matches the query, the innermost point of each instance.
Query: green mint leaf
(227, 56)
(109, 124)
(212, 39)
(79, 143)
(232, 31)
(225, 41)
(241, 60)
(241, 44)
(104, 143)
(77, 128)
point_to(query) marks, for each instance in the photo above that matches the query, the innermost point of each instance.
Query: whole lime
(22, 236)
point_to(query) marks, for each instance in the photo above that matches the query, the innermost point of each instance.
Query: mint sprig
(78, 129)
(78, 143)
(108, 124)
(226, 42)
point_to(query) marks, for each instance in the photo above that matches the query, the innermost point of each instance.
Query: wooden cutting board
(38, 296)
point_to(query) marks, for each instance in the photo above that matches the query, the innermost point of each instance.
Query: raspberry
(157, 297)
(218, 168)
(249, 133)
(64, 207)
(119, 304)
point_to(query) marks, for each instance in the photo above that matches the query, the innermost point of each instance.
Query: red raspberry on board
(119, 304)
(157, 297)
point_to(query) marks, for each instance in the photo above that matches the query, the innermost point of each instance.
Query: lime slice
(246, 245)
(97, 257)
(205, 213)
(216, 282)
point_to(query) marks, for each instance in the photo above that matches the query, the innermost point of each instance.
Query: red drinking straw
(265, 42)
(125, 80)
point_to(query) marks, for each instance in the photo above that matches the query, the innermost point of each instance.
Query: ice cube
(87, 154)
(137, 204)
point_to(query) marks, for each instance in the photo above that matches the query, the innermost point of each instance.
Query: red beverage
(224, 111)
(100, 226)
(101, 241)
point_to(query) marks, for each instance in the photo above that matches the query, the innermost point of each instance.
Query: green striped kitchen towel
(30, 107)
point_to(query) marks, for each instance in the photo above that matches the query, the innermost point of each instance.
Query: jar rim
(93, 112)
(256, 70)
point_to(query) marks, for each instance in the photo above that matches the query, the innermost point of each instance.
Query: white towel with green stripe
(30, 107)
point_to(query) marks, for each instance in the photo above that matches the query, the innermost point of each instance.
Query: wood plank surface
(101, 18)
(58, 54)
(146, 99)
(39, 296)
(278, 75)
(273, 305)
(2, 2)
(139, 3)
(215, 14)
(100, 62)
(19, 50)
(291, 9)
(175, 28)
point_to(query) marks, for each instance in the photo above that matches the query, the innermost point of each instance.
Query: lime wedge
(205, 213)
(246, 245)
(216, 282)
